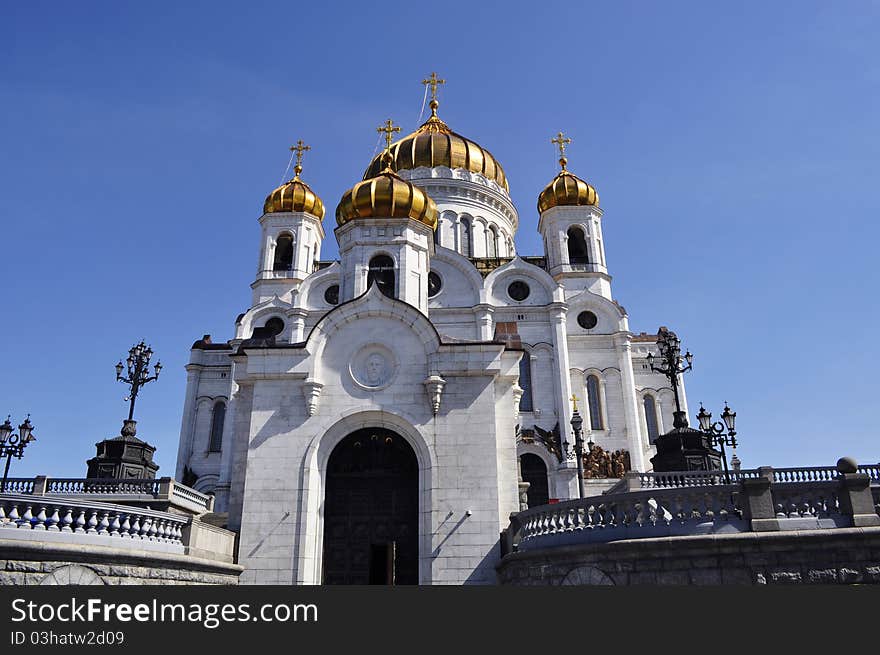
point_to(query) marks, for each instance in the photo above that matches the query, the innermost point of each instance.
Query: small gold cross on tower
(299, 149)
(561, 141)
(389, 128)
(434, 82)
(574, 402)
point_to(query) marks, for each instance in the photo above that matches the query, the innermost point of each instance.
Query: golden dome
(434, 144)
(386, 195)
(566, 189)
(294, 196)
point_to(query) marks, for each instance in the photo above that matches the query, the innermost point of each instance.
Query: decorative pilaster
(623, 343)
(312, 391)
(434, 385)
(297, 318)
(484, 321)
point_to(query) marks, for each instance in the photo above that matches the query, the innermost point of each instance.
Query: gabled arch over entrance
(371, 510)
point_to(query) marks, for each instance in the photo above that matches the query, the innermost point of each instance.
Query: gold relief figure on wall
(600, 463)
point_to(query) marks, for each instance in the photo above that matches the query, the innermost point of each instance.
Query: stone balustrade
(163, 492)
(682, 503)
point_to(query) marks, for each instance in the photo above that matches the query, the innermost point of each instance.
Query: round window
(587, 320)
(275, 326)
(331, 295)
(518, 290)
(434, 284)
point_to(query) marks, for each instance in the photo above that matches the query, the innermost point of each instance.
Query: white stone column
(184, 451)
(623, 344)
(484, 314)
(561, 363)
(221, 490)
(297, 318)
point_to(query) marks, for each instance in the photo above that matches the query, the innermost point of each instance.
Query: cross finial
(561, 141)
(299, 149)
(574, 402)
(434, 82)
(389, 128)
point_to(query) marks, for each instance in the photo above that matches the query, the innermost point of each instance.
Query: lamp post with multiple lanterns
(672, 364)
(720, 433)
(137, 372)
(577, 423)
(13, 445)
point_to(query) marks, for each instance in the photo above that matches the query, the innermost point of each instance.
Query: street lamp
(13, 445)
(720, 433)
(577, 423)
(137, 373)
(672, 364)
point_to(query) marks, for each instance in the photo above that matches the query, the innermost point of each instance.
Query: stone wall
(839, 556)
(40, 562)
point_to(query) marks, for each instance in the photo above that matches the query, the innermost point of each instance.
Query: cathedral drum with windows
(375, 419)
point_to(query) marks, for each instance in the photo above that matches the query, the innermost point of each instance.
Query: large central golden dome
(434, 144)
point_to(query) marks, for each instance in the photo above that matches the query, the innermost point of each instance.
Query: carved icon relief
(373, 367)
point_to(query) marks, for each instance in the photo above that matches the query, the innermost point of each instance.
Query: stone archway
(72, 574)
(534, 471)
(371, 510)
(586, 575)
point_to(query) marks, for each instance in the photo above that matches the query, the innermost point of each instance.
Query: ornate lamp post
(720, 434)
(672, 364)
(13, 445)
(137, 373)
(577, 423)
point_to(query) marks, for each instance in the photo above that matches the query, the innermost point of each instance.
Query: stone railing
(701, 503)
(162, 492)
(67, 520)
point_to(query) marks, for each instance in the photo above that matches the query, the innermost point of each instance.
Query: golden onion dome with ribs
(566, 189)
(434, 144)
(386, 195)
(294, 196)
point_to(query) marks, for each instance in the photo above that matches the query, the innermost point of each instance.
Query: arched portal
(534, 471)
(371, 510)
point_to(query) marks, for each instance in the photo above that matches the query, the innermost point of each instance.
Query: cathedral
(378, 418)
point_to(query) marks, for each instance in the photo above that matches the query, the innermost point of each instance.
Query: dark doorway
(371, 510)
(381, 272)
(534, 471)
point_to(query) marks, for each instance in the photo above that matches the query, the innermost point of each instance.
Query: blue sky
(734, 148)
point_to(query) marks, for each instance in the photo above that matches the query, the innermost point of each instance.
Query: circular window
(434, 284)
(587, 320)
(275, 326)
(331, 295)
(518, 290)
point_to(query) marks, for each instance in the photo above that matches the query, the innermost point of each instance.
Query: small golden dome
(294, 196)
(566, 189)
(434, 144)
(386, 195)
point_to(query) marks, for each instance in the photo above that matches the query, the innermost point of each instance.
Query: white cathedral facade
(373, 417)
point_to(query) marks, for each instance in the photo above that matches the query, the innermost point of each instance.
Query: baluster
(104, 523)
(178, 533)
(93, 522)
(135, 530)
(125, 527)
(26, 518)
(53, 521)
(14, 517)
(80, 522)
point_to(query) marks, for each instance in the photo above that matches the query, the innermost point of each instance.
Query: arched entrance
(534, 471)
(371, 529)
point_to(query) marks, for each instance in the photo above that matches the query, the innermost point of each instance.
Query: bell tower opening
(371, 531)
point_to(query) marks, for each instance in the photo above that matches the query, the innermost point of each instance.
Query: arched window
(595, 402)
(283, 253)
(577, 246)
(651, 418)
(534, 471)
(525, 383)
(217, 418)
(467, 248)
(382, 273)
(491, 242)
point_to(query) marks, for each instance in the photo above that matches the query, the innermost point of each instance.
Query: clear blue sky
(734, 148)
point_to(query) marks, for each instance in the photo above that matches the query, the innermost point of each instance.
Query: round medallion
(518, 290)
(587, 320)
(435, 283)
(331, 295)
(373, 367)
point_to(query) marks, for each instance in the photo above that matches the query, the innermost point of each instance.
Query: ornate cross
(561, 141)
(389, 128)
(574, 399)
(434, 81)
(299, 149)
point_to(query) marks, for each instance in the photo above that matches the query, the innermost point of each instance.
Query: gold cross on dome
(434, 81)
(574, 401)
(299, 149)
(389, 128)
(561, 141)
